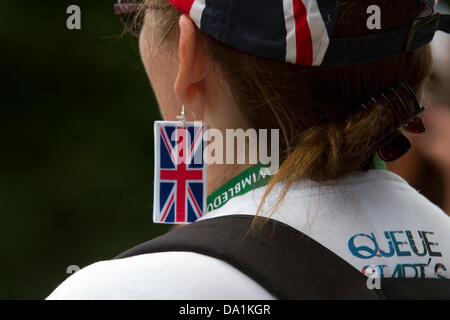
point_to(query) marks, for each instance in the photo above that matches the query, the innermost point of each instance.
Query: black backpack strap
(284, 261)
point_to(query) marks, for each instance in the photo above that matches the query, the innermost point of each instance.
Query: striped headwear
(300, 31)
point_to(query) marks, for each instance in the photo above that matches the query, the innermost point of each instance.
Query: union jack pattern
(291, 30)
(180, 173)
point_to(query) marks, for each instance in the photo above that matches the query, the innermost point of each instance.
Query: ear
(193, 62)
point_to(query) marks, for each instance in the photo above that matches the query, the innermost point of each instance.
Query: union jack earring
(180, 171)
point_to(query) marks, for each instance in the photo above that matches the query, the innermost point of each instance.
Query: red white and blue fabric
(301, 31)
(288, 30)
(180, 173)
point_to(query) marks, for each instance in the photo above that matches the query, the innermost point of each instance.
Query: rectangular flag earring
(180, 171)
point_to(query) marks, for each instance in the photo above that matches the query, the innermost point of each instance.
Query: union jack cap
(180, 172)
(300, 31)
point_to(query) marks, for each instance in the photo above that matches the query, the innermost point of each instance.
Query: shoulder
(160, 276)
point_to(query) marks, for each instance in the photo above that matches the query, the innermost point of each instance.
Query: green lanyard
(252, 178)
(377, 163)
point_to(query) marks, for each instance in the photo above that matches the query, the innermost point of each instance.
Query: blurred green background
(76, 139)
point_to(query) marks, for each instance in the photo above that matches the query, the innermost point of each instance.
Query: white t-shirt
(368, 219)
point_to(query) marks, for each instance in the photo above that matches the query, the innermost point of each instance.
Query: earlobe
(192, 62)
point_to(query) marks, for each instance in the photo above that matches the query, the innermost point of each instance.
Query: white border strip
(197, 11)
(319, 34)
(291, 40)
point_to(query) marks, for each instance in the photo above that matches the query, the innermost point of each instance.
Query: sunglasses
(132, 14)
(406, 108)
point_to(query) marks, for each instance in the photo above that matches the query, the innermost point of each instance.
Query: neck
(219, 174)
(221, 113)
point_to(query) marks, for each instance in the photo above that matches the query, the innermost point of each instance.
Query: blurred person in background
(427, 165)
